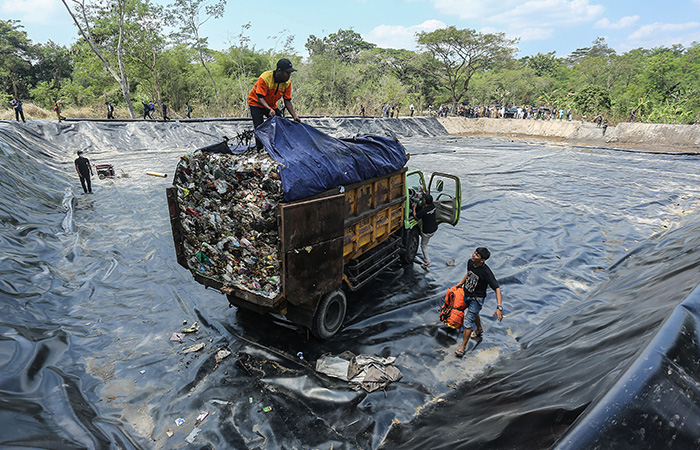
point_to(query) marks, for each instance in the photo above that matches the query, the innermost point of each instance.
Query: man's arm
(263, 102)
(499, 302)
(290, 108)
(77, 170)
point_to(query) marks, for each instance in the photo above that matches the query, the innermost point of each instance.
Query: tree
(463, 53)
(84, 25)
(345, 44)
(145, 43)
(598, 49)
(592, 100)
(189, 16)
(544, 64)
(53, 63)
(15, 52)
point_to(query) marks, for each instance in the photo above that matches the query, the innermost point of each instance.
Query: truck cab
(446, 191)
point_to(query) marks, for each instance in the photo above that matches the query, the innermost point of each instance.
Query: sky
(542, 26)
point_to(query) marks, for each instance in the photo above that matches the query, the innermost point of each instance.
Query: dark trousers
(19, 112)
(85, 182)
(258, 115)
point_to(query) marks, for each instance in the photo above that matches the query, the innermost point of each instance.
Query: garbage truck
(330, 242)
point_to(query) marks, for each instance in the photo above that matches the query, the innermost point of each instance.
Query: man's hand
(498, 313)
(272, 112)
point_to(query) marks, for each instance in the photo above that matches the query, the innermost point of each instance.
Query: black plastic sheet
(594, 250)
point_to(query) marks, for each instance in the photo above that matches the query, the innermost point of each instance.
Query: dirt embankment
(641, 136)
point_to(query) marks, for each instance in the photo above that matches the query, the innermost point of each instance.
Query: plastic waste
(194, 348)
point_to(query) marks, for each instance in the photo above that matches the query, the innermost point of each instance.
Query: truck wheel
(329, 314)
(409, 252)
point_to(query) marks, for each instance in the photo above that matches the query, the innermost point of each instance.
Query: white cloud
(523, 14)
(664, 34)
(536, 34)
(625, 22)
(528, 19)
(398, 36)
(31, 11)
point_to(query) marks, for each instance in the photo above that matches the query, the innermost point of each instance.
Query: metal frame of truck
(339, 239)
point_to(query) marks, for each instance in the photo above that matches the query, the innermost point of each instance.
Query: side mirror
(439, 185)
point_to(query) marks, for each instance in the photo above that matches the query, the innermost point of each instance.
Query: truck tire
(330, 314)
(411, 248)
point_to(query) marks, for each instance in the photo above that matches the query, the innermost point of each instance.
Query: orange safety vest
(452, 311)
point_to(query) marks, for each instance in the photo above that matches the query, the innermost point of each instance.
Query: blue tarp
(314, 162)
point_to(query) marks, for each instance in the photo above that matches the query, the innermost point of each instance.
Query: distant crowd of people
(501, 112)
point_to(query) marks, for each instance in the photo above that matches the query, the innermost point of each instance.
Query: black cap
(286, 65)
(80, 152)
(483, 252)
(428, 199)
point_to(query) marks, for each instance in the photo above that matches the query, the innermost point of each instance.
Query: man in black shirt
(84, 169)
(430, 226)
(474, 283)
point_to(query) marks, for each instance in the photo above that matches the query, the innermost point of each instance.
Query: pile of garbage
(227, 212)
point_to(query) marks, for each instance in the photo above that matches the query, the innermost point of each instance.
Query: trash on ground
(142, 372)
(267, 408)
(157, 174)
(366, 372)
(221, 354)
(169, 432)
(227, 210)
(194, 348)
(200, 418)
(177, 337)
(194, 328)
(179, 421)
(193, 435)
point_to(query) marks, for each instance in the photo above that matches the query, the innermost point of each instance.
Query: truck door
(446, 191)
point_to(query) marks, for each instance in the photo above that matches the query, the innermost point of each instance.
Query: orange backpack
(452, 311)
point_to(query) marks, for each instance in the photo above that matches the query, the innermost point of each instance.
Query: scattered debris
(366, 372)
(193, 435)
(200, 418)
(221, 354)
(142, 372)
(169, 432)
(177, 337)
(194, 348)
(267, 408)
(179, 421)
(157, 174)
(193, 329)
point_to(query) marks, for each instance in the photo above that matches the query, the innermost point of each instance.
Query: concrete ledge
(642, 136)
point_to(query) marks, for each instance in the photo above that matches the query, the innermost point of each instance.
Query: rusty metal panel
(174, 213)
(312, 237)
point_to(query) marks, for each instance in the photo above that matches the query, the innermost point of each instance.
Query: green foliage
(342, 72)
(543, 64)
(345, 45)
(592, 100)
(16, 50)
(462, 53)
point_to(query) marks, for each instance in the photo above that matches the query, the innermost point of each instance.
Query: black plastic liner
(596, 252)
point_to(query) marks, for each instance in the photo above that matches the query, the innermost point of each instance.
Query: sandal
(459, 353)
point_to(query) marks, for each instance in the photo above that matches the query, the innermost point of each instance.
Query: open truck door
(446, 191)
